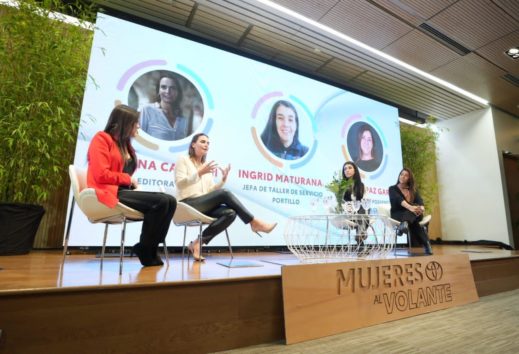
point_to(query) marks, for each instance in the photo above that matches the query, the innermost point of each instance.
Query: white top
(189, 184)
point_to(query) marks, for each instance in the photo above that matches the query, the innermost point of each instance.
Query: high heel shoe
(197, 257)
(263, 228)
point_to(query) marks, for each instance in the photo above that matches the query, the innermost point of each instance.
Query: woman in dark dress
(407, 207)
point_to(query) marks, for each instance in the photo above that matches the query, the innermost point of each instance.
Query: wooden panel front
(496, 275)
(196, 317)
(325, 299)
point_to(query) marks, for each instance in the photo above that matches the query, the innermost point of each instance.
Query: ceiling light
(513, 52)
(353, 41)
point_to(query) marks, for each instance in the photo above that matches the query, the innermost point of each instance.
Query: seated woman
(407, 207)
(163, 119)
(281, 134)
(355, 191)
(111, 163)
(195, 186)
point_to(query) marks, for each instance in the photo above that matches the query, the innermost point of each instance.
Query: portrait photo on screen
(281, 135)
(365, 146)
(171, 106)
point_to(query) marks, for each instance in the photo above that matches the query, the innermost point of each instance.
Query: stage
(183, 307)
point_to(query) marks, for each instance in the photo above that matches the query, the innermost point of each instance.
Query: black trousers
(222, 205)
(413, 220)
(158, 210)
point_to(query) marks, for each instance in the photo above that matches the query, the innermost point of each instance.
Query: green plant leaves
(419, 155)
(42, 80)
(338, 187)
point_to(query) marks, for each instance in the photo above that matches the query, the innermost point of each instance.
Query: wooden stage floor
(42, 271)
(188, 307)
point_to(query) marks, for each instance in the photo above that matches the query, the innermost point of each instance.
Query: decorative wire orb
(322, 238)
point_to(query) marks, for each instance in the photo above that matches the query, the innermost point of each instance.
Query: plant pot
(18, 224)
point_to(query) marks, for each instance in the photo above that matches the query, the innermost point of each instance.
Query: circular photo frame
(365, 146)
(283, 130)
(171, 106)
(281, 134)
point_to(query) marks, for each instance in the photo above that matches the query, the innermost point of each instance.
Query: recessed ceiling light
(513, 52)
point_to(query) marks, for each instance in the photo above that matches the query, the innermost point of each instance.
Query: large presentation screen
(237, 102)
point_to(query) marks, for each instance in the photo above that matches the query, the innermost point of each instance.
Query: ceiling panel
(255, 29)
(340, 71)
(153, 11)
(400, 11)
(290, 45)
(218, 24)
(365, 22)
(414, 11)
(256, 47)
(495, 52)
(314, 9)
(405, 96)
(469, 21)
(470, 72)
(425, 8)
(504, 95)
(511, 7)
(420, 50)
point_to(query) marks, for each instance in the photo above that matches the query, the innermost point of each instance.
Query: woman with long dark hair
(195, 186)
(350, 171)
(281, 134)
(407, 207)
(111, 164)
(163, 119)
(355, 191)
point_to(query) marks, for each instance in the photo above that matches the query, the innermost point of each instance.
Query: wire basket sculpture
(339, 237)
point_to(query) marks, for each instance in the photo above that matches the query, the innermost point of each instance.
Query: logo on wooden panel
(397, 276)
(336, 297)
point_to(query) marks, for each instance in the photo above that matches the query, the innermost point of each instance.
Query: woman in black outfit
(355, 191)
(407, 207)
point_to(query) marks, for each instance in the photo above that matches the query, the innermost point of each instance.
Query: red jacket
(105, 169)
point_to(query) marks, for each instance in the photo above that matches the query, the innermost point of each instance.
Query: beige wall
(469, 174)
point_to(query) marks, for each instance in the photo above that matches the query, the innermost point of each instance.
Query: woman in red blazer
(111, 163)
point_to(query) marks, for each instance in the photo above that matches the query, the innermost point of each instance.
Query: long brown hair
(120, 126)
(192, 150)
(358, 186)
(410, 183)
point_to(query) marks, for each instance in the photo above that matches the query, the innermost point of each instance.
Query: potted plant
(338, 187)
(42, 79)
